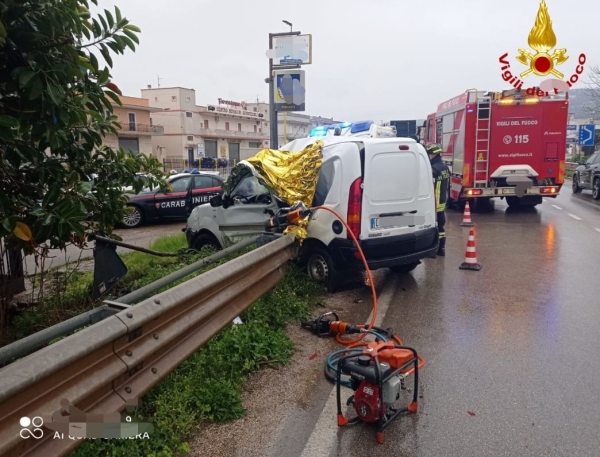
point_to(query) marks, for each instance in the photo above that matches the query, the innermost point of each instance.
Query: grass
(209, 385)
(72, 297)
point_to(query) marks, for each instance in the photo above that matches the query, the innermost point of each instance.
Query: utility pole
(158, 78)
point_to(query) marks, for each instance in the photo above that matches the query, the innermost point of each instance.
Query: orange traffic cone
(467, 217)
(470, 262)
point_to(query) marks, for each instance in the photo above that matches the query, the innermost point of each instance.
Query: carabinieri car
(188, 191)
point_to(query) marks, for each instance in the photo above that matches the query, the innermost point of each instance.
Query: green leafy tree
(58, 182)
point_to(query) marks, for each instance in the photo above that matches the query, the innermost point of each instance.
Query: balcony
(232, 134)
(140, 129)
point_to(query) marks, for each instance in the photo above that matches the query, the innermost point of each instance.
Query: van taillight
(355, 207)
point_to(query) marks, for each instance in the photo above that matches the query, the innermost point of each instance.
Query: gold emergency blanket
(292, 176)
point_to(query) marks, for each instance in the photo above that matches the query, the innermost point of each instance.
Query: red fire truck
(507, 144)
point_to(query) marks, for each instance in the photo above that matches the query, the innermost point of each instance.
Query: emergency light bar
(361, 128)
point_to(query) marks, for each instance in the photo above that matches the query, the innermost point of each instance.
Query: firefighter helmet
(434, 149)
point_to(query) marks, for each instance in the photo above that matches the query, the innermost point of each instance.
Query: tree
(592, 107)
(58, 182)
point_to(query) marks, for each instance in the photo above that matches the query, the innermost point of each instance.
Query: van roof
(301, 143)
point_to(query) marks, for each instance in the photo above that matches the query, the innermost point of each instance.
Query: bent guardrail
(107, 366)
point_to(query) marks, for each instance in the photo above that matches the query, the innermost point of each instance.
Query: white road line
(557, 207)
(322, 441)
(577, 218)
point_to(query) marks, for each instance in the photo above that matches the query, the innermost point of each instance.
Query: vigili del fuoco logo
(543, 59)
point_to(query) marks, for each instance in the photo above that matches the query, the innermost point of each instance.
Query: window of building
(151, 121)
(226, 125)
(187, 99)
(266, 124)
(107, 113)
(239, 127)
(190, 137)
(132, 125)
(255, 128)
(205, 123)
(260, 130)
(255, 109)
(155, 99)
(173, 98)
(188, 114)
(254, 144)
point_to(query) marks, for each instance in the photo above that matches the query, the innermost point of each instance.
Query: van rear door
(397, 189)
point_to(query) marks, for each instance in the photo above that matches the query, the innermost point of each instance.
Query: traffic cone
(467, 217)
(470, 262)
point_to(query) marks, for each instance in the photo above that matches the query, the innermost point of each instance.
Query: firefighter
(441, 182)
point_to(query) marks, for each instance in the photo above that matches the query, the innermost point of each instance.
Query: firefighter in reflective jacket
(441, 183)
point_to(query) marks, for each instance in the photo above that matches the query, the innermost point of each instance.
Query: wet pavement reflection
(512, 365)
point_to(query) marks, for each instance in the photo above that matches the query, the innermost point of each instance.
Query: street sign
(586, 134)
(289, 90)
(571, 127)
(291, 50)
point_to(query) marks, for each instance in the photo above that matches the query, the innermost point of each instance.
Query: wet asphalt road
(512, 364)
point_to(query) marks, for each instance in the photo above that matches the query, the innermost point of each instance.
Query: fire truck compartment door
(398, 195)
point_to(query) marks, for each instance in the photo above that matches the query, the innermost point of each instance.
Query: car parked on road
(187, 190)
(382, 187)
(587, 176)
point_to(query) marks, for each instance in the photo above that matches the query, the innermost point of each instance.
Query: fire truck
(502, 144)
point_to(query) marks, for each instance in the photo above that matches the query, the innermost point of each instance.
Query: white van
(382, 187)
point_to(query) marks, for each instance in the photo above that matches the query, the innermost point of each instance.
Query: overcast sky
(376, 59)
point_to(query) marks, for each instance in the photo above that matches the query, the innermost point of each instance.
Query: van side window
(326, 174)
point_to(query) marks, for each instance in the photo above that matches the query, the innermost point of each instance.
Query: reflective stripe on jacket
(441, 180)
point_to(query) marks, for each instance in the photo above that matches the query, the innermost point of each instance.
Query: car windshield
(249, 187)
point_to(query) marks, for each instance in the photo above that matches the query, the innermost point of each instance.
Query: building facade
(225, 129)
(233, 130)
(137, 128)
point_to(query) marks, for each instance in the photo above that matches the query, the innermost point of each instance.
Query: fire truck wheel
(596, 189)
(513, 202)
(576, 188)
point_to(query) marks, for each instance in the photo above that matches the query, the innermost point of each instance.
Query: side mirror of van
(216, 201)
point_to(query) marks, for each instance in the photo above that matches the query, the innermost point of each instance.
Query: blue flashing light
(362, 126)
(345, 125)
(317, 132)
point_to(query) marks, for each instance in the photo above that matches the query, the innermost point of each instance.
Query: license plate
(508, 191)
(389, 222)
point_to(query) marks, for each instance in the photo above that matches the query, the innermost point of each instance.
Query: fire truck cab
(502, 144)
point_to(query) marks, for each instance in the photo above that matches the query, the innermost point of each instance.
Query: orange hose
(358, 341)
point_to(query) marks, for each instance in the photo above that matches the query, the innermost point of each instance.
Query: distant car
(188, 191)
(587, 176)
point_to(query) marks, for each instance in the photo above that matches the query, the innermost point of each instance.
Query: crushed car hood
(291, 176)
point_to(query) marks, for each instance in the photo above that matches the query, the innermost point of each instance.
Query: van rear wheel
(320, 268)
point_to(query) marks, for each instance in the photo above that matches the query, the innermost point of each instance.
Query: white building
(226, 129)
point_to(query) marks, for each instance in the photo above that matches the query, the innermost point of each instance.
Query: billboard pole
(273, 130)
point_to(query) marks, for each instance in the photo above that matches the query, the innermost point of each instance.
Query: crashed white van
(383, 187)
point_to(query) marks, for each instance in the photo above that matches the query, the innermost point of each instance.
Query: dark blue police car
(188, 190)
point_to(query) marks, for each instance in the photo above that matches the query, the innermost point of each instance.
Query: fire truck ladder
(482, 141)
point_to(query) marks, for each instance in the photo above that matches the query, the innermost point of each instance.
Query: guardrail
(107, 366)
